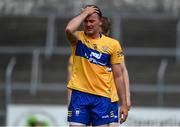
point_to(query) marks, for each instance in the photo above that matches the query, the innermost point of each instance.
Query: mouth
(89, 29)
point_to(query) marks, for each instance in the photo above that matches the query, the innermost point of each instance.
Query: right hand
(89, 10)
(123, 113)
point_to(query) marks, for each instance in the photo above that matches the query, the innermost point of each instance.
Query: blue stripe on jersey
(92, 55)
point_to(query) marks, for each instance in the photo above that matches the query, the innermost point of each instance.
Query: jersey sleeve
(117, 54)
(78, 35)
(73, 45)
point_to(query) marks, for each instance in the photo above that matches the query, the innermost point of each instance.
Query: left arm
(126, 81)
(121, 90)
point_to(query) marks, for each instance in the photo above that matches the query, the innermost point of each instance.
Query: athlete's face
(92, 24)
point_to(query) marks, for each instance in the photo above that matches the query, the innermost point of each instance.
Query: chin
(89, 32)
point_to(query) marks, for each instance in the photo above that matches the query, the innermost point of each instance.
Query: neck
(94, 36)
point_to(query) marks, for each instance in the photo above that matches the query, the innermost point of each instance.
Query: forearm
(126, 80)
(121, 90)
(74, 24)
(119, 81)
(127, 86)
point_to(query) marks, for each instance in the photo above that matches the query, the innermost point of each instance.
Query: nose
(88, 24)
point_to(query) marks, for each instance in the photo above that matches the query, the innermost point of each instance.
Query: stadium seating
(142, 70)
(145, 32)
(23, 31)
(172, 73)
(60, 24)
(42, 97)
(54, 70)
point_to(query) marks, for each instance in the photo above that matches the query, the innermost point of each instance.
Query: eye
(91, 21)
(85, 21)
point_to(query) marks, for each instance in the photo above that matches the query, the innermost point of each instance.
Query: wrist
(124, 102)
(84, 14)
(124, 105)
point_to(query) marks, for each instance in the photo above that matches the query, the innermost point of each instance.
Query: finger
(122, 121)
(96, 9)
(96, 12)
(123, 118)
(81, 10)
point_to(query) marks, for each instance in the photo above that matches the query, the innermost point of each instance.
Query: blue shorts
(114, 117)
(89, 109)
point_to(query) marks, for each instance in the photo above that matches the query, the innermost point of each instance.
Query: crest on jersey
(104, 48)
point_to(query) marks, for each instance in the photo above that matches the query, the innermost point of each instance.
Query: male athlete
(95, 57)
(105, 28)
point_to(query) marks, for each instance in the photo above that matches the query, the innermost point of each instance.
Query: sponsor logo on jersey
(120, 53)
(92, 55)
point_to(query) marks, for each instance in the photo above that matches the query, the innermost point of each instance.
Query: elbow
(68, 30)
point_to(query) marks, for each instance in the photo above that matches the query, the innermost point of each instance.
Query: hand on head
(90, 10)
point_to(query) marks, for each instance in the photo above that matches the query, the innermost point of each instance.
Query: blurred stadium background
(34, 54)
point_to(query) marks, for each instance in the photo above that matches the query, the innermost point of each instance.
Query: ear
(100, 24)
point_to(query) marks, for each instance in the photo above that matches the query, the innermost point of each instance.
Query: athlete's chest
(94, 52)
(100, 45)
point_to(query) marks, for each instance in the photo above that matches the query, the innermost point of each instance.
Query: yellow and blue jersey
(92, 60)
(70, 66)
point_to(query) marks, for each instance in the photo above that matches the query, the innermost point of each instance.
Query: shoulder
(80, 33)
(71, 59)
(111, 41)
